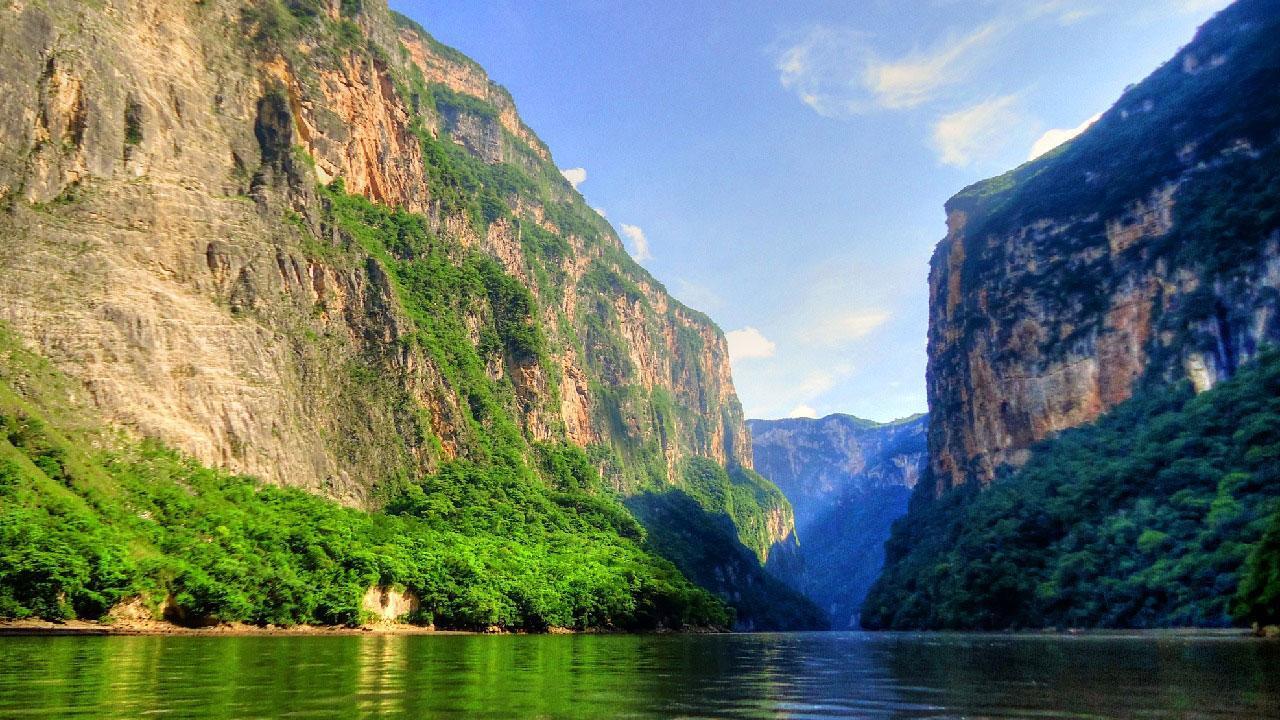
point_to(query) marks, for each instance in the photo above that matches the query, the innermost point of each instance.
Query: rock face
(387, 604)
(1146, 250)
(848, 480)
(167, 244)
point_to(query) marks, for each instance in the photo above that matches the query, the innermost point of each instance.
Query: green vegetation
(740, 495)
(1257, 599)
(82, 528)
(132, 122)
(714, 527)
(275, 24)
(441, 286)
(642, 422)
(704, 544)
(1154, 516)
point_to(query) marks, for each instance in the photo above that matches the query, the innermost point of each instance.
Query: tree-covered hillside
(89, 519)
(1163, 513)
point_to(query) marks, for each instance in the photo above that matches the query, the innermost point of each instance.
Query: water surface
(799, 675)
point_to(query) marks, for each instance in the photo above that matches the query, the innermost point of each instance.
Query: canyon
(848, 480)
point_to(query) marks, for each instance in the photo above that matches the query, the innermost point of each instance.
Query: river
(802, 675)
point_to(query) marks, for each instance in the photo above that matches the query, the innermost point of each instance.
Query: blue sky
(782, 166)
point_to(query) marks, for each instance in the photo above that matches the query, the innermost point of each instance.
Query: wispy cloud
(639, 243)
(748, 343)
(816, 383)
(837, 73)
(825, 70)
(977, 132)
(915, 79)
(1055, 137)
(575, 176)
(845, 327)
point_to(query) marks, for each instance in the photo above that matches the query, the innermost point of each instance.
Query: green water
(767, 675)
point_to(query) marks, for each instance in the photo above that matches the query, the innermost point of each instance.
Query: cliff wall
(223, 218)
(1144, 251)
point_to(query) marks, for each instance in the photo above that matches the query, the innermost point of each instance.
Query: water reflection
(782, 675)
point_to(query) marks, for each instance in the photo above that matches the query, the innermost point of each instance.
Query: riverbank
(160, 627)
(29, 627)
(37, 627)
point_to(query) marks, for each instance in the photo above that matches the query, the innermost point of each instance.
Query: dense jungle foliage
(88, 520)
(1163, 513)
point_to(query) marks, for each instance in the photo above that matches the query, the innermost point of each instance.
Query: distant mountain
(847, 479)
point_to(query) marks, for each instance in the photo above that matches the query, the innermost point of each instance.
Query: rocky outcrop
(848, 480)
(388, 604)
(1146, 250)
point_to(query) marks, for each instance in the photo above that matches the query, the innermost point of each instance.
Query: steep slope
(1100, 288)
(1147, 248)
(94, 524)
(304, 241)
(848, 480)
(1156, 515)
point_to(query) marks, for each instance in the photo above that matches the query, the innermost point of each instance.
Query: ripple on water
(807, 675)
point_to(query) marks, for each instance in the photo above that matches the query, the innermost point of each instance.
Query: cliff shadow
(705, 547)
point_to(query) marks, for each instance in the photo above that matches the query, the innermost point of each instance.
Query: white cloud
(575, 176)
(844, 328)
(815, 384)
(915, 79)
(601, 212)
(836, 72)
(1057, 136)
(818, 382)
(1071, 17)
(976, 132)
(802, 411)
(749, 343)
(639, 243)
(857, 325)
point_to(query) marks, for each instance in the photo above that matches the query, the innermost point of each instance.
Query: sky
(782, 166)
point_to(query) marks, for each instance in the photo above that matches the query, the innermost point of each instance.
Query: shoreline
(48, 628)
(32, 627)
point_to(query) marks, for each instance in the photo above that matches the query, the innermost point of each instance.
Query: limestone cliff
(1146, 250)
(848, 480)
(174, 179)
